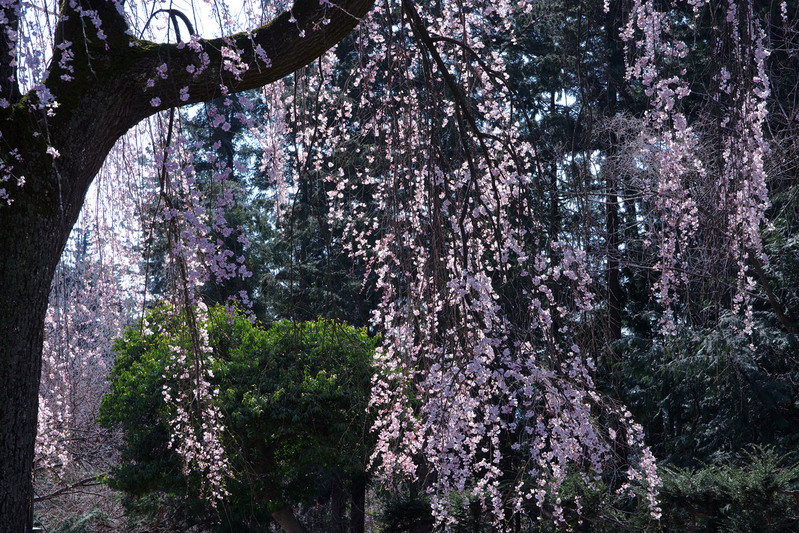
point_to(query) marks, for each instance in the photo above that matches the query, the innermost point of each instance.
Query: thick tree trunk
(107, 96)
(30, 247)
(338, 502)
(21, 324)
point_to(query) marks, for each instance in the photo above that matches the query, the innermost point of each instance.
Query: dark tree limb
(9, 87)
(286, 518)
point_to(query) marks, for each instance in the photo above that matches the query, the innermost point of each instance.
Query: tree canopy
(61, 115)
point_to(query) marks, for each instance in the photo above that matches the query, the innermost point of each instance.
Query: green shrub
(293, 399)
(760, 492)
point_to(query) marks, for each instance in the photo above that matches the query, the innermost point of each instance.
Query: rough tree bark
(107, 96)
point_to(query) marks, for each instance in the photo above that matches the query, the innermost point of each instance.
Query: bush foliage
(293, 399)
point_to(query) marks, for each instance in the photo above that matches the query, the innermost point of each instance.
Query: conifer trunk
(358, 512)
(615, 70)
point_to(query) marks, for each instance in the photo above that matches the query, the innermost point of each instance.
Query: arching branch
(208, 68)
(117, 82)
(292, 40)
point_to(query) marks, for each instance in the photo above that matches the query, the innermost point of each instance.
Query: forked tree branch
(198, 72)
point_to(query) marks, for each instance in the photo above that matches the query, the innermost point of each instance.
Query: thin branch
(86, 482)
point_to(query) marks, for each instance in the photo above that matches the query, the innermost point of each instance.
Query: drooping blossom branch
(735, 209)
(481, 388)
(90, 304)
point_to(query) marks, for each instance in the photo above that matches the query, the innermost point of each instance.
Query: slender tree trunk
(615, 77)
(614, 253)
(615, 69)
(358, 511)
